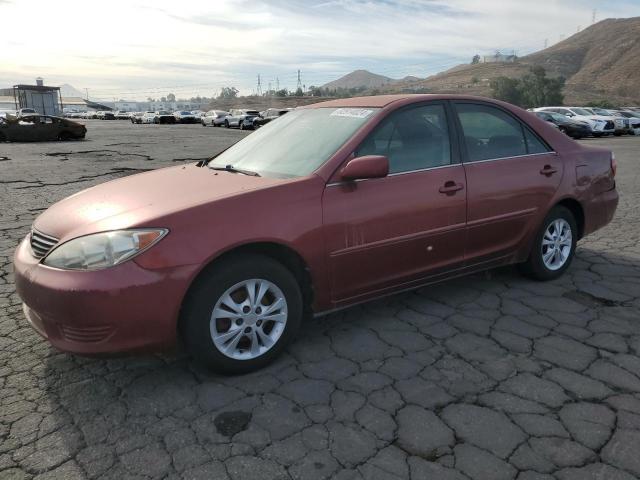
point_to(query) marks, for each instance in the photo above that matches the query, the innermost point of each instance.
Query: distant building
(500, 58)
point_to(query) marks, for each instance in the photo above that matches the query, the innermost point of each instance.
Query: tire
(598, 135)
(241, 125)
(226, 278)
(203, 124)
(226, 124)
(535, 267)
(64, 136)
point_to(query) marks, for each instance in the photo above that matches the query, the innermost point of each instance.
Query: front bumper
(123, 308)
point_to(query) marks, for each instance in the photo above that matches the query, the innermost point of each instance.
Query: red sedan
(333, 204)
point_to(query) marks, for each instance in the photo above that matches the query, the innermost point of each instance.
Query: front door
(395, 231)
(512, 175)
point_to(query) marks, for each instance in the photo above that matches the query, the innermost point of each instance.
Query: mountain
(67, 90)
(359, 78)
(601, 62)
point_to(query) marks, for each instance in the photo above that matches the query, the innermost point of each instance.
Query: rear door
(389, 232)
(512, 176)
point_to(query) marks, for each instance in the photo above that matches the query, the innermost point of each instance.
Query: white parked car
(599, 125)
(633, 119)
(618, 122)
(148, 117)
(213, 118)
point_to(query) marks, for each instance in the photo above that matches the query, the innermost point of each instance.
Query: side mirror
(569, 114)
(369, 166)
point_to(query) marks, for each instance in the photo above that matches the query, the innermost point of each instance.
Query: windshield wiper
(232, 169)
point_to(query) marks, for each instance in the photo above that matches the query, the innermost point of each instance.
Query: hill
(359, 78)
(600, 62)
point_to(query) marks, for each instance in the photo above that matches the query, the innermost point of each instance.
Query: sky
(134, 49)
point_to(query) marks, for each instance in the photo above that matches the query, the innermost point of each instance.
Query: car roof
(381, 101)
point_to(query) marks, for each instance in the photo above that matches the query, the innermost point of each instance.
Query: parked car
(164, 117)
(619, 124)
(148, 117)
(39, 128)
(599, 126)
(213, 118)
(569, 126)
(334, 204)
(634, 120)
(122, 115)
(268, 115)
(186, 117)
(105, 115)
(136, 117)
(241, 118)
(26, 111)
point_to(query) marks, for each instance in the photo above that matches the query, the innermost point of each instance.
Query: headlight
(102, 250)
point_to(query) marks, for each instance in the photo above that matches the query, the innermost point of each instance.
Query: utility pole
(269, 92)
(299, 85)
(277, 84)
(593, 15)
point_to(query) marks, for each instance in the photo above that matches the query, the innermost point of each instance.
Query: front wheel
(226, 124)
(241, 314)
(554, 246)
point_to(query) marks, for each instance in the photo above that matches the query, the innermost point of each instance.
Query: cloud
(143, 45)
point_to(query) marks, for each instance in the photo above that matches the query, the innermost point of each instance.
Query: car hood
(138, 200)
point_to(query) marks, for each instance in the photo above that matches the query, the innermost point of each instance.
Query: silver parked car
(213, 118)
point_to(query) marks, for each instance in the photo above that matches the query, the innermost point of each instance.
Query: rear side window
(534, 144)
(491, 133)
(412, 139)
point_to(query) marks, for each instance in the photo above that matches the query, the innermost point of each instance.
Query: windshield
(581, 111)
(297, 144)
(557, 117)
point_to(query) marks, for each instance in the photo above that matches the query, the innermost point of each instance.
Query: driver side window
(412, 139)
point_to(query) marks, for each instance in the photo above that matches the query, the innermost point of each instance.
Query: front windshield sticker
(351, 112)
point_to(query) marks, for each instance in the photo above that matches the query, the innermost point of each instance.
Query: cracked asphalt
(488, 377)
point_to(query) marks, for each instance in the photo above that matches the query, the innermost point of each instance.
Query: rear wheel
(64, 136)
(554, 246)
(226, 124)
(241, 314)
(564, 130)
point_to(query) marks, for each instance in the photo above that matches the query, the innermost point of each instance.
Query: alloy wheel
(248, 319)
(556, 244)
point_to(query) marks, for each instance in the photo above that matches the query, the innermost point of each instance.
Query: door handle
(548, 170)
(450, 188)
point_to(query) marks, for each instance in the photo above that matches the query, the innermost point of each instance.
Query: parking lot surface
(488, 377)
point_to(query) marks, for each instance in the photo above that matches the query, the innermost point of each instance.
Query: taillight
(614, 164)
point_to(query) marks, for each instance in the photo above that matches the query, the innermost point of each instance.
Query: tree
(475, 59)
(506, 89)
(535, 89)
(540, 91)
(171, 97)
(299, 92)
(282, 92)
(227, 93)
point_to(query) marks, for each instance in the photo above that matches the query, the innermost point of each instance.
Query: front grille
(41, 244)
(609, 125)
